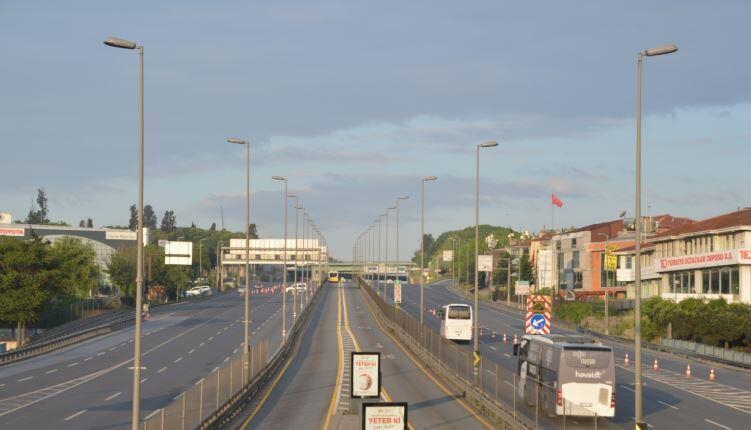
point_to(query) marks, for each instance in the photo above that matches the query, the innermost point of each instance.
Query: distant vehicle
(389, 281)
(205, 289)
(229, 282)
(569, 374)
(334, 276)
(300, 286)
(456, 322)
(241, 290)
(193, 292)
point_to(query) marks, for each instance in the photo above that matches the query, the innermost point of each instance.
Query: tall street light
(638, 409)
(246, 305)
(135, 415)
(385, 285)
(476, 332)
(297, 254)
(422, 241)
(453, 259)
(284, 264)
(378, 277)
(397, 232)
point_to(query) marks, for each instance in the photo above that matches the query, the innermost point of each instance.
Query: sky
(354, 102)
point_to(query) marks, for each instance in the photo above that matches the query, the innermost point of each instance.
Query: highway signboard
(384, 416)
(365, 368)
(178, 253)
(485, 263)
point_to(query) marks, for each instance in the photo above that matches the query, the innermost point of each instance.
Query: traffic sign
(477, 358)
(538, 315)
(397, 292)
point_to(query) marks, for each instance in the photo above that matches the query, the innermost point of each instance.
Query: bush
(573, 312)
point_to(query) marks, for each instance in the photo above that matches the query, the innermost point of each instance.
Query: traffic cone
(688, 371)
(655, 367)
(711, 375)
(625, 360)
(504, 338)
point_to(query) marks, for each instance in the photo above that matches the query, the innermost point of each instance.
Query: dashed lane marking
(162, 369)
(113, 396)
(81, 412)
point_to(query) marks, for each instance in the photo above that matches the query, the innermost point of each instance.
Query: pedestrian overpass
(391, 271)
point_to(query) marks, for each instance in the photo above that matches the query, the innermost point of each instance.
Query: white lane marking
(25, 379)
(218, 333)
(506, 355)
(191, 351)
(101, 353)
(717, 424)
(493, 348)
(492, 373)
(509, 383)
(151, 414)
(144, 380)
(215, 369)
(235, 351)
(113, 348)
(211, 338)
(667, 404)
(82, 411)
(88, 358)
(113, 396)
(226, 359)
(178, 360)
(201, 344)
(73, 364)
(162, 369)
(625, 387)
(50, 371)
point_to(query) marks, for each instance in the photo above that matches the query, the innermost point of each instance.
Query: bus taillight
(612, 400)
(559, 397)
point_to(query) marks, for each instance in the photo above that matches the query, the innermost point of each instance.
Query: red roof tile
(733, 219)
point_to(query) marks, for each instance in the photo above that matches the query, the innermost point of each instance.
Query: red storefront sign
(710, 259)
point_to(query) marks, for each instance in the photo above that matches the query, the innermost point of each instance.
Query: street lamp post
(385, 284)
(378, 277)
(607, 281)
(246, 305)
(397, 233)
(200, 258)
(453, 259)
(638, 400)
(476, 331)
(284, 263)
(136, 409)
(422, 242)
(297, 255)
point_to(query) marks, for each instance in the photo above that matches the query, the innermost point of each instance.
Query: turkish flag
(556, 201)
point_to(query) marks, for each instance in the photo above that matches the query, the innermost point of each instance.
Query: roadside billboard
(384, 416)
(12, 231)
(365, 370)
(397, 292)
(522, 288)
(448, 256)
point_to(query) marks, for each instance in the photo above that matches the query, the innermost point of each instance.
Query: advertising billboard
(365, 369)
(384, 416)
(448, 256)
(397, 292)
(12, 231)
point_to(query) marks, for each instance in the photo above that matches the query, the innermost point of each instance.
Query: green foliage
(573, 312)
(25, 271)
(39, 216)
(122, 270)
(76, 273)
(713, 322)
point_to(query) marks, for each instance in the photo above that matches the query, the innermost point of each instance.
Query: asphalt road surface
(306, 393)
(89, 385)
(671, 400)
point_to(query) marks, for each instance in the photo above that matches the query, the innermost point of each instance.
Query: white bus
(568, 374)
(456, 322)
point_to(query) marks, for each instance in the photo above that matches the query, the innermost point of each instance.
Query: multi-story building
(708, 259)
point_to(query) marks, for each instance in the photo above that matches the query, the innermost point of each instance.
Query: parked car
(193, 292)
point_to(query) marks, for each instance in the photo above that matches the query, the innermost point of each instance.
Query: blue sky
(356, 101)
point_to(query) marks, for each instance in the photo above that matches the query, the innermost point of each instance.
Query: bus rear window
(459, 312)
(589, 358)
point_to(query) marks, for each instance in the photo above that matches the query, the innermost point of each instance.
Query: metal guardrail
(62, 340)
(452, 366)
(711, 352)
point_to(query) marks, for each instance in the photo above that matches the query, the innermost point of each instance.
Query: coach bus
(567, 374)
(334, 276)
(456, 322)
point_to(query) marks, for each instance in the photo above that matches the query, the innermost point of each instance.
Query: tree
(75, 271)
(149, 217)
(133, 222)
(169, 222)
(82, 223)
(24, 271)
(89, 223)
(39, 216)
(253, 231)
(213, 227)
(122, 270)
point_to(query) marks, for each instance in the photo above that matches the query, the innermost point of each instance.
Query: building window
(560, 261)
(573, 243)
(681, 282)
(629, 262)
(575, 259)
(734, 281)
(578, 280)
(724, 280)
(557, 245)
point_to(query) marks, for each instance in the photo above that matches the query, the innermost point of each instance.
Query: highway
(671, 400)
(312, 391)
(88, 385)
